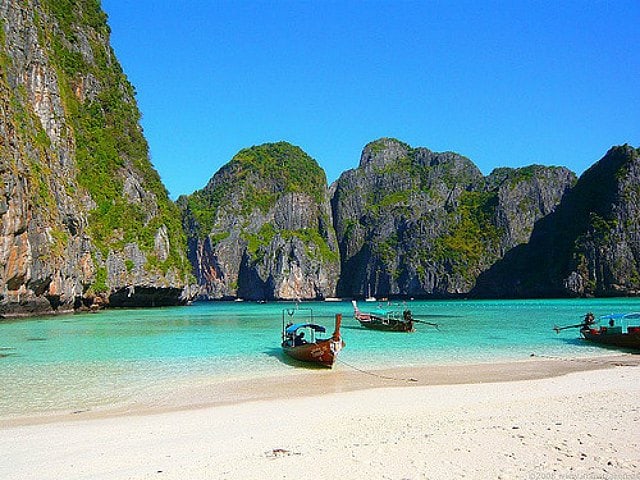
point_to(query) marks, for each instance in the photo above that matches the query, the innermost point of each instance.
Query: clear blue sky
(505, 83)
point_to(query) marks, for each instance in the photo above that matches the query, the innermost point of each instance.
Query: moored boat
(369, 297)
(387, 320)
(616, 330)
(304, 341)
(332, 299)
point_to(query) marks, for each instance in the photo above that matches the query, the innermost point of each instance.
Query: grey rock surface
(54, 72)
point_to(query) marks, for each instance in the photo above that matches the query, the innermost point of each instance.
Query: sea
(91, 360)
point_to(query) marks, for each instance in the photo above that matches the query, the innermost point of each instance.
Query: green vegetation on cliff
(418, 222)
(283, 168)
(258, 176)
(202, 207)
(381, 144)
(587, 246)
(473, 236)
(316, 247)
(100, 107)
(32, 143)
(262, 216)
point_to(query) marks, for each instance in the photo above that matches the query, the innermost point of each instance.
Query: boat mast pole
(336, 332)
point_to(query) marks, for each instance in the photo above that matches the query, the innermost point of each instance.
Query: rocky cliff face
(590, 245)
(262, 228)
(85, 218)
(418, 223)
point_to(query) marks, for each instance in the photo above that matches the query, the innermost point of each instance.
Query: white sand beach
(580, 420)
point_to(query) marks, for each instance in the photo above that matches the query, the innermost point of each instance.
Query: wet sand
(342, 378)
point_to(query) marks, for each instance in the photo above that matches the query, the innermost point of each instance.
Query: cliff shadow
(578, 229)
(352, 285)
(250, 285)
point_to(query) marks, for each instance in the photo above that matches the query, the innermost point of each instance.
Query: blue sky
(505, 83)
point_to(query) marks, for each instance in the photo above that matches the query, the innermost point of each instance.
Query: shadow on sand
(579, 341)
(287, 360)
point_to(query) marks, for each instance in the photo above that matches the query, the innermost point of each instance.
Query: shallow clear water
(86, 360)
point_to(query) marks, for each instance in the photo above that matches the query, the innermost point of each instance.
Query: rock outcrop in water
(413, 222)
(261, 229)
(589, 246)
(85, 217)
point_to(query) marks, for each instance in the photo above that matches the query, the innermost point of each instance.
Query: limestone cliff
(417, 223)
(85, 217)
(262, 228)
(589, 246)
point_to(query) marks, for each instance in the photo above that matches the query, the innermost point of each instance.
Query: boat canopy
(380, 312)
(621, 321)
(291, 329)
(621, 316)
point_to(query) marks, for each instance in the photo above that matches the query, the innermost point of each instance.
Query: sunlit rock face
(83, 212)
(262, 229)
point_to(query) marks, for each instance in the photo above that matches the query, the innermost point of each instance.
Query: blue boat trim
(316, 328)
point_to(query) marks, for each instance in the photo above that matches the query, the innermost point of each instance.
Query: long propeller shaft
(557, 329)
(426, 323)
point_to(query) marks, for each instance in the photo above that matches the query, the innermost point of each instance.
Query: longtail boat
(387, 320)
(616, 330)
(303, 341)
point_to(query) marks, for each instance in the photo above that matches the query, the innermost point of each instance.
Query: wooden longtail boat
(387, 320)
(302, 342)
(616, 330)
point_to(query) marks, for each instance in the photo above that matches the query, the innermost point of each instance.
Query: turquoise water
(86, 360)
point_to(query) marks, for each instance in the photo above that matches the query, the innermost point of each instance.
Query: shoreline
(541, 420)
(342, 378)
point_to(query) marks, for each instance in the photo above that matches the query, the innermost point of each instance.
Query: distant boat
(616, 330)
(388, 320)
(369, 297)
(332, 299)
(303, 342)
